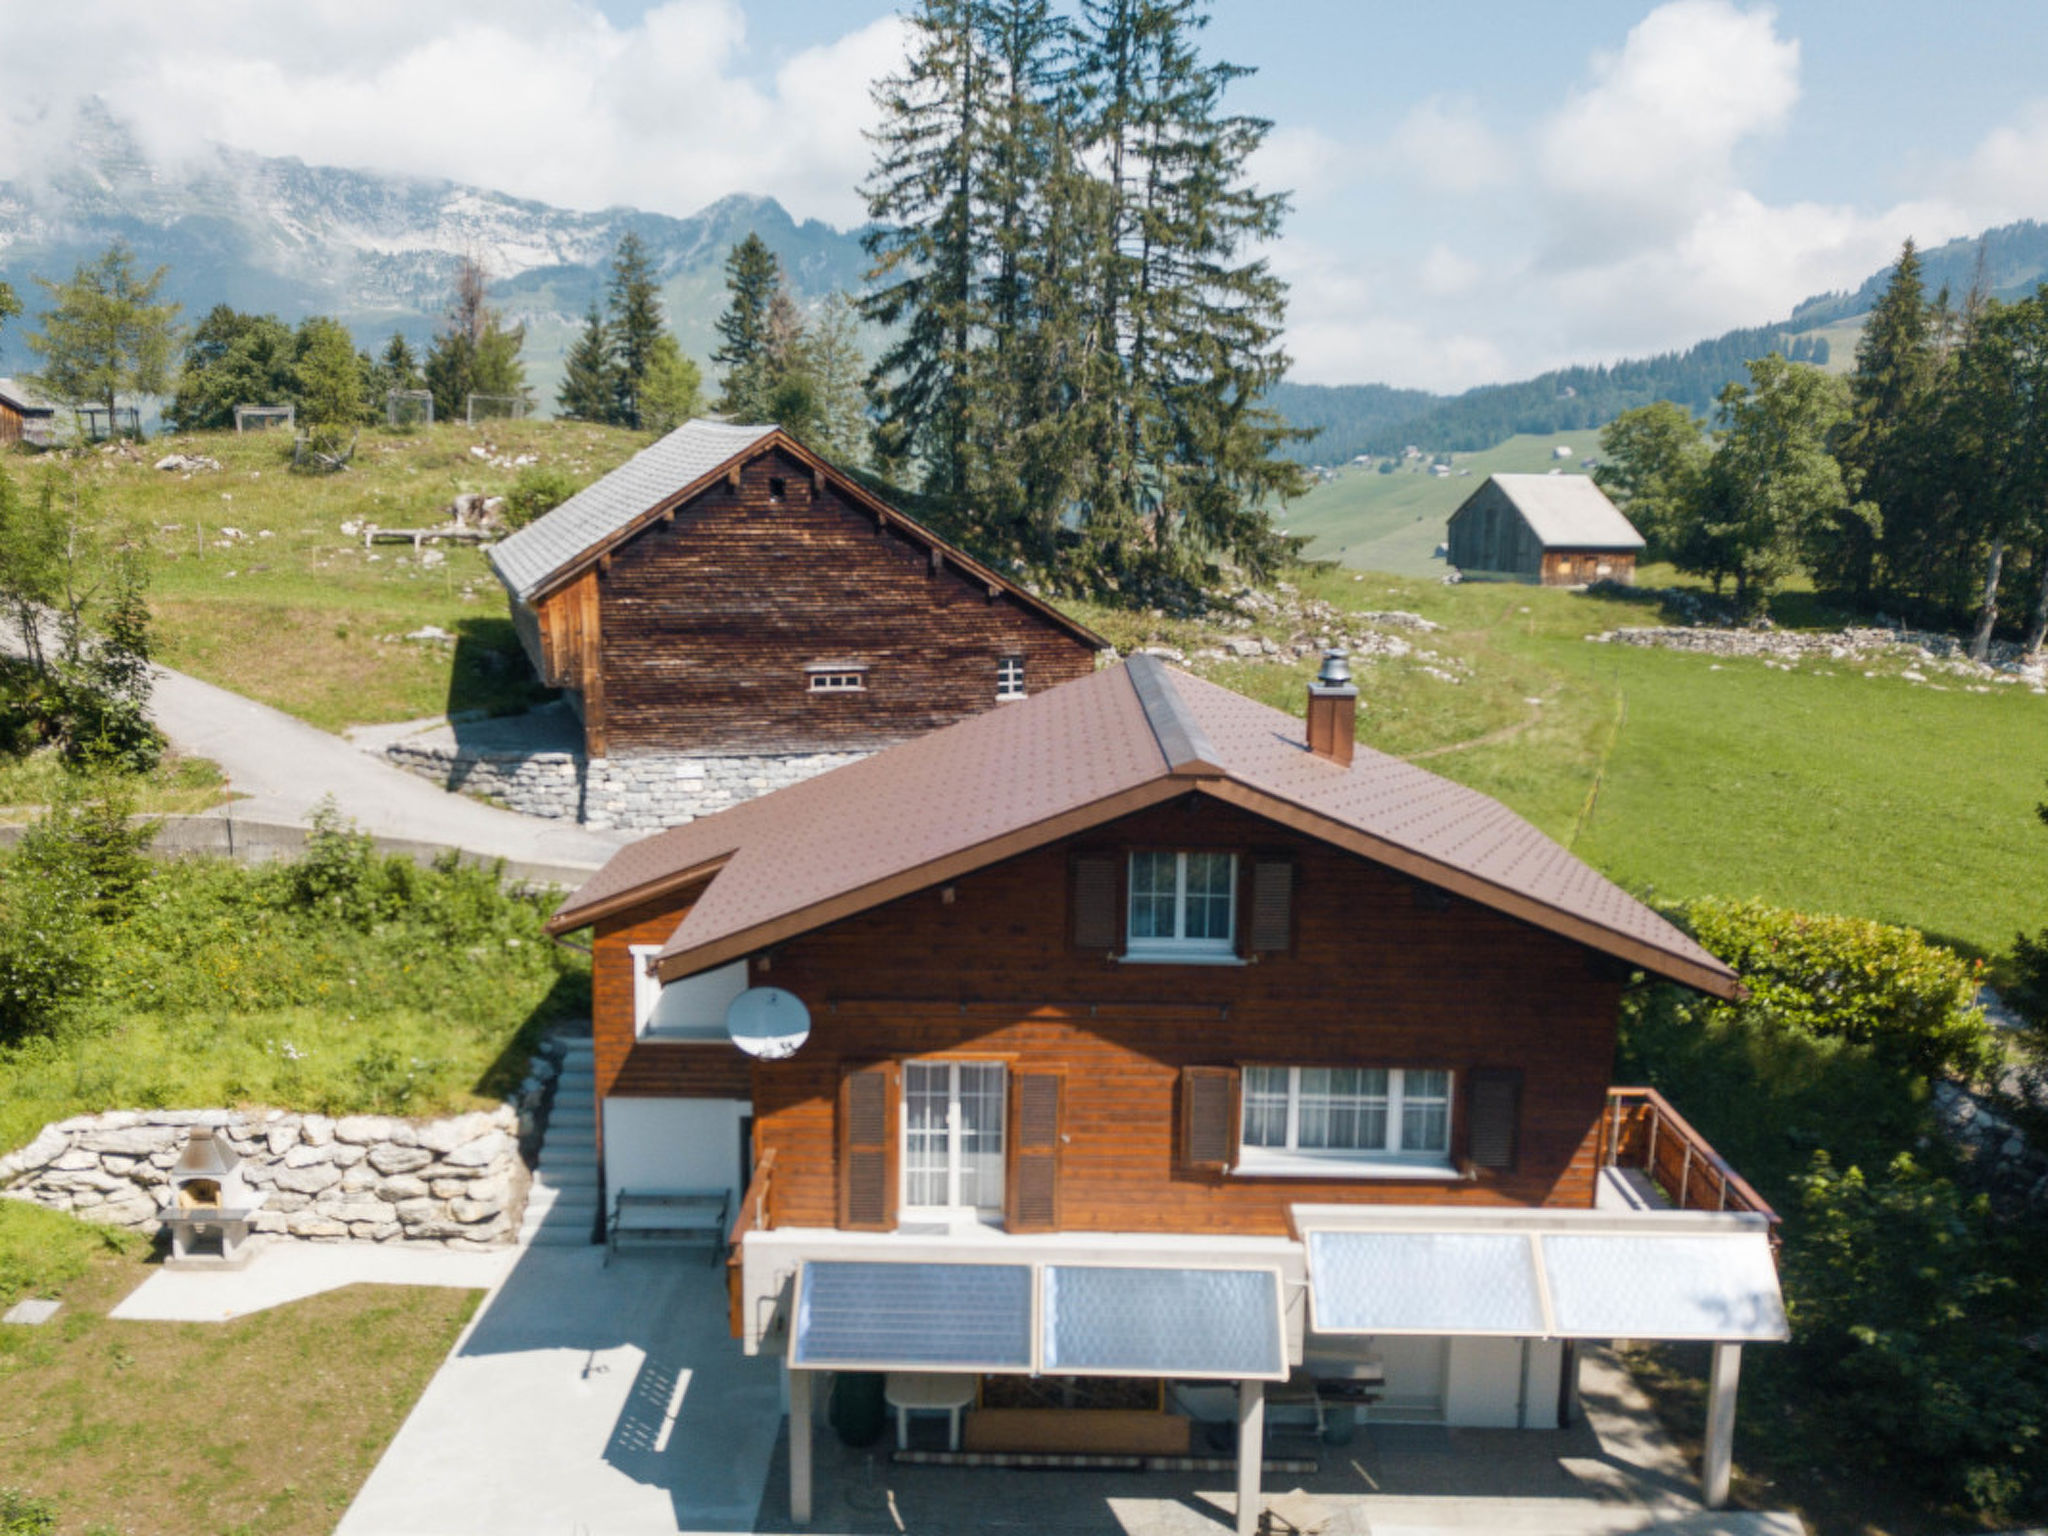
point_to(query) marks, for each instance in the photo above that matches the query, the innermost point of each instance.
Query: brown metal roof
(1079, 755)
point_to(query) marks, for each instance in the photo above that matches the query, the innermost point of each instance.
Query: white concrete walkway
(607, 1401)
(285, 1271)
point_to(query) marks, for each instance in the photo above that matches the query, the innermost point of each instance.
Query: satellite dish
(768, 1023)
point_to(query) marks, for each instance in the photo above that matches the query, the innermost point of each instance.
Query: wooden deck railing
(1640, 1130)
(756, 1214)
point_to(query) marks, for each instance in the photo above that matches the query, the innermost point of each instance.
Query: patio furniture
(946, 1392)
(677, 1214)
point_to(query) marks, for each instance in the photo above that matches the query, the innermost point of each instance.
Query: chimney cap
(1336, 672)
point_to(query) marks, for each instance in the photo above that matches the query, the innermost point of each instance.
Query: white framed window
(953, 1114)
(1183, 905)
(690, 1009)
(1009, 679)
(836, 677)
(1309, 1116)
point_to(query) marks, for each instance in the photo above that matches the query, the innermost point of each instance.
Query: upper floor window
(1183, 904)
(1010, 678)
(837, 677)
(690, 1009)
(953, 1135)
(1344, 1114)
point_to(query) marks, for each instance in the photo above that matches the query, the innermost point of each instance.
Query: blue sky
(1482, 188)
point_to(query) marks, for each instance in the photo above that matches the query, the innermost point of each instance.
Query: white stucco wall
(674, 1144)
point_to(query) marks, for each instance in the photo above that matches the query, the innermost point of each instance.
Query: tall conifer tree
(590, 386)
(1883, 448)
(752, 277)
(634, 303)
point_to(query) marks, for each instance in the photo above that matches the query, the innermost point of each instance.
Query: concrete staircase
(561, 1209)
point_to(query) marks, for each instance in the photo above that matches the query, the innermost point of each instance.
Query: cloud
(546, 99)
(1651, 140)
(1444, 144)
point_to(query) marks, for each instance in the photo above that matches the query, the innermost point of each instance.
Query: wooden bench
(1100, 1431)
(669, 1213)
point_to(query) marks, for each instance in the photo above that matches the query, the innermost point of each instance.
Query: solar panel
(1424, 1282)
(913, 1316)
(1612, 1287)
(1162, 1322)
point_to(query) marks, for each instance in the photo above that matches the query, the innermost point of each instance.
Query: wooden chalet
(24, 418)
(1556, 530)
(1154, 1035)
(728, 591)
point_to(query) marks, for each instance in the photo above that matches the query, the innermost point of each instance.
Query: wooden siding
(1375, 977)
(1578, 567)
(572, 653)
(710, 618)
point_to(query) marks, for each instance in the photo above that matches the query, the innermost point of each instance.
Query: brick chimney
(1333, 710)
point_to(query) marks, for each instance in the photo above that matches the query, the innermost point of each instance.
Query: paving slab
(31, 1313)
(610, 1401)
(287, 1270)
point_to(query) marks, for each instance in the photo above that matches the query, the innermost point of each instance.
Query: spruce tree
(474, 353)
(838, 370)
(590, 389)
(634, 304)
(1883, 447)
(752, 277)
(922, 195)
(401, 367)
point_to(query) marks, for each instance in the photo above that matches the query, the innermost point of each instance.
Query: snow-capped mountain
(375, 250)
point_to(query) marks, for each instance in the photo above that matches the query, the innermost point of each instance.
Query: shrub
(1850, 979)
(23, 1515)
(1912, 1316)
(538, 490)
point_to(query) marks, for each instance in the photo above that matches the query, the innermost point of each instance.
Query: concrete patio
(611, 1402)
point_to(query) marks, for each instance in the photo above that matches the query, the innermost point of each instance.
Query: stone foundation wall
(637, 794)
(458, 1182)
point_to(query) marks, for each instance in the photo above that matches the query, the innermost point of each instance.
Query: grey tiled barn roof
(529, 557)
(1569, 512)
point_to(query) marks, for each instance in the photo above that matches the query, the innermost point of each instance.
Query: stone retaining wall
(637, 794)
(2000, 1157)
(457, 1182)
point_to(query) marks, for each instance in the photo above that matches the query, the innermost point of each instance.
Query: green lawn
(265, 1426)
(1393, 522)
(1818, 788)
(298, 614)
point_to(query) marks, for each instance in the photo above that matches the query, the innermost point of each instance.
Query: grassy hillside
(1685, 775)
(290, 610)
(1392, 522)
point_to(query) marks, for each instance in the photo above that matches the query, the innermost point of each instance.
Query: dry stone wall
(457, 1182)
(636, 794)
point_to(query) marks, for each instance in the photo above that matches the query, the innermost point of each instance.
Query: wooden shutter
(1033, 1185)
(1208, 1116)
(1495, 1107)
(867, 1148)
(1095, 924)
(1272, 917)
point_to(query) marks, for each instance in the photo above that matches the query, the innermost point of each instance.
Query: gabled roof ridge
(1182, 741)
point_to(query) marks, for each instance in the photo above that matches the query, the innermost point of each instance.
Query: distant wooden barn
(1559, 530)
(24, 418)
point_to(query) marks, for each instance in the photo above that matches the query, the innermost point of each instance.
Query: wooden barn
(24, 418)
(1151, 1058)
(727, 591)
(1559, 530)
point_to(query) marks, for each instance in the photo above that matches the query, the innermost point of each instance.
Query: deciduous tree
(232, 359)
(475, 353)
(1773, 479)
(107, 333)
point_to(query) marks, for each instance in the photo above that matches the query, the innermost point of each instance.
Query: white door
(953, 1136)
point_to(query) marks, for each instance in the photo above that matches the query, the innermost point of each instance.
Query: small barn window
(1010, 678)
(837, 677)
(777, 488)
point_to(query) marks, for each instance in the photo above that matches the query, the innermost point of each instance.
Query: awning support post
(800, 1447)
(1251, 1453)
(1717, 1463)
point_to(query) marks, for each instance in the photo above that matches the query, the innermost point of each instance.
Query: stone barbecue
(211, 1205)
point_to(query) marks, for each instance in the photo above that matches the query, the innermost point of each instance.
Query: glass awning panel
(1723, 1287)
(1117, 1320)
(1424, 1282)
(883, 1316)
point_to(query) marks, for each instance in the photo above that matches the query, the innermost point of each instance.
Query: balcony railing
(1641, 1131)
(756, 1214)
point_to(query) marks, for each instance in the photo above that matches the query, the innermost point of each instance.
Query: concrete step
(576, 1085)
(557, 1178)
(550, 1197)
(563, 1139)
(569, 1112)
(562, 1237)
